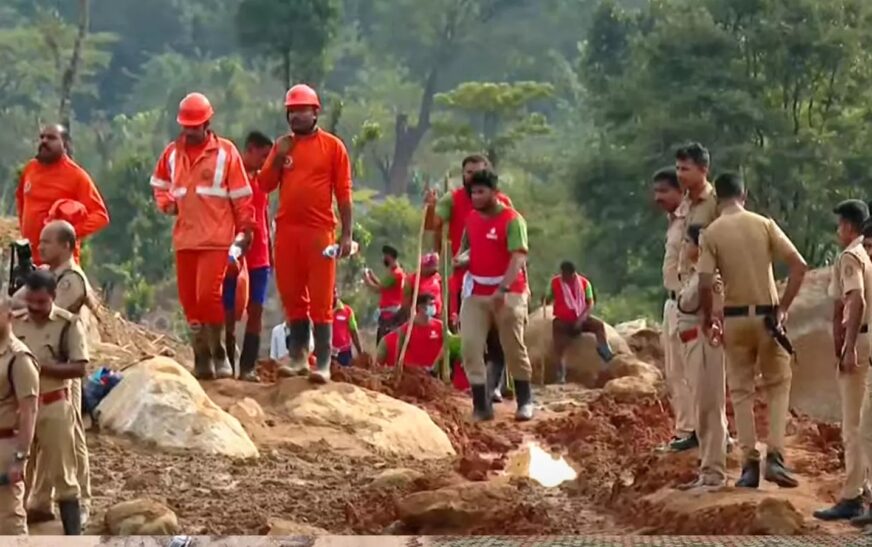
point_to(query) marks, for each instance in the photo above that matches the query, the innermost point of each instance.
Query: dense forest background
(576, 101)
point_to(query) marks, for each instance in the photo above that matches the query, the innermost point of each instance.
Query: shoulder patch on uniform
(64, 314)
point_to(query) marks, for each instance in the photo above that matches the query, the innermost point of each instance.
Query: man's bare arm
(796, 275)
(838, 327)
(63, 371)
(853, 313)
(515, 266)
(26, 424)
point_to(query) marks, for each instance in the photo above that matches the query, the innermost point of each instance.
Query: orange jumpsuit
(316, 170)
(41, 185)
(208, 185)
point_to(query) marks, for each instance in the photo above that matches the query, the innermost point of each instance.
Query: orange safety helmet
(302, 95)
(67, 209)
(195, 109)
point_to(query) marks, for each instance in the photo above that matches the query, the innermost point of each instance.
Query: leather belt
(7, 433)
(53, 396)
(688, 335)
(745, 311)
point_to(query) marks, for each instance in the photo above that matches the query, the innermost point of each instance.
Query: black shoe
(750, 475)
(482, 409)
(524, 396)
(842, 510)
(862, 520)
(682, 444)
(248, 357)
(71, 517)
(777, 472)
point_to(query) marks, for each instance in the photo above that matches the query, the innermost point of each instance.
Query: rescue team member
(57, 339)
(705, 367)
(454, 208)
(309, 166)
(851, 289)
(344, 331)
(572, 295)
(75, 295)
(699, 206)
(668, 196)
(390, 288)
(19, 388)
(50, 177)
(431, 283)
(257, 265)
(425, 342)
(495, 294)
(742, 246)
(200, 179)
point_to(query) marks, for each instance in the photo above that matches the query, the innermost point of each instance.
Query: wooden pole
(446, 272)
(401, 361)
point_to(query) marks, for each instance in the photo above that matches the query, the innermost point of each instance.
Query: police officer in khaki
(851, 289)
(704, 362)
(698, 207)
(742, 246)
(19, 388)
(74, 294)
(57, 339)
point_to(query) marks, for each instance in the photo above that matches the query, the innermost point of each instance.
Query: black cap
(853, 210)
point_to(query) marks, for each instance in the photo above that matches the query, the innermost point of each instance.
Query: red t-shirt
(424, 344)
(489, 253)
(391, 299)
(561, 310)
(342, 319)
(431, 285)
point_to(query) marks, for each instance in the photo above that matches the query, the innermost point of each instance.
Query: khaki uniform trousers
(41, 494)
(13, 518)
(54, 455)
(677, 380)
(750, 347)
(855, 391)
(477, 315)
(705, 368)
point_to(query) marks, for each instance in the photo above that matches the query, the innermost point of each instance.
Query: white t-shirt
(278, 345)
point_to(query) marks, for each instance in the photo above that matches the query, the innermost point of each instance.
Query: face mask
(431, 310)
(387, 263)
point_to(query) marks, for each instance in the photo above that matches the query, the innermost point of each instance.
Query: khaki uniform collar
(64, 266)
(707, 191)
(731, 209)
(854, 244)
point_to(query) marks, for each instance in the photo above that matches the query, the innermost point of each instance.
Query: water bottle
(332, 251)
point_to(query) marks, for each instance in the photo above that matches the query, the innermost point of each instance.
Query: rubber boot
(248, 357)
(482, 407)
(494, 381)
(561, 372)
(298, 342)
(524, 396)
(219, 353)
(777, 472)
(203, 368)
(750, 475)
(230, 344)
(844, 509)
(323, 342)
(71, 517)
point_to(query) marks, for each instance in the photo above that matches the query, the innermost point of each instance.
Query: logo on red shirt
(27, 187)
(492, 234)
(289, 162)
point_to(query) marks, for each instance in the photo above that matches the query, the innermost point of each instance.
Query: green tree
(493, 117)
(294, 35)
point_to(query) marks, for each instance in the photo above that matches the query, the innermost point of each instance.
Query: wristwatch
(21, 456)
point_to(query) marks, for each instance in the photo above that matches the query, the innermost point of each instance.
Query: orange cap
(195, 109)
(67, 209)
(302, 95)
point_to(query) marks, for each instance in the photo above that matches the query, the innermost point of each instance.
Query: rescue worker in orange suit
(455, 208)
(431, 283)
(390, 289)
(309, 166)
(200, 179)
(345, 333)
(50, 177)
(257, 265)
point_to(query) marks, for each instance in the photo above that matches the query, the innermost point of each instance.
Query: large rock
(457, 507)
(632, 378)
(583, 362)
(777, 517)
(346, 414)
(281, 527)
(396, 478)
(644, 340)
(142, 517)
(160, 402)
(814, 390)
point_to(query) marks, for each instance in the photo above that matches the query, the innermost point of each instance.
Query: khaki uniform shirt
(24, 383)
(689, 304)
(674, 236)
(853, 272)
(742, 246)
(702, 211)
(44, 341)
(73, 291)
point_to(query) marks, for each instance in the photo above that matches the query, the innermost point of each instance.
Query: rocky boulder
(777, 517)
(814, 389)
(160, 402)
(281, 527)
(396, 478)
(142, 517)
(346, 416)
(644, 339)
(583, 362)
(456, 508)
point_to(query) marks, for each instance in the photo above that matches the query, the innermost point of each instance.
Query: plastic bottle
(332, 251)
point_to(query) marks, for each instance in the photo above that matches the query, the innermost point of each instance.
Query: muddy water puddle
(546, 468)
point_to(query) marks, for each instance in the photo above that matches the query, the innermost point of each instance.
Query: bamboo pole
(445, 373)
(401, 361)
